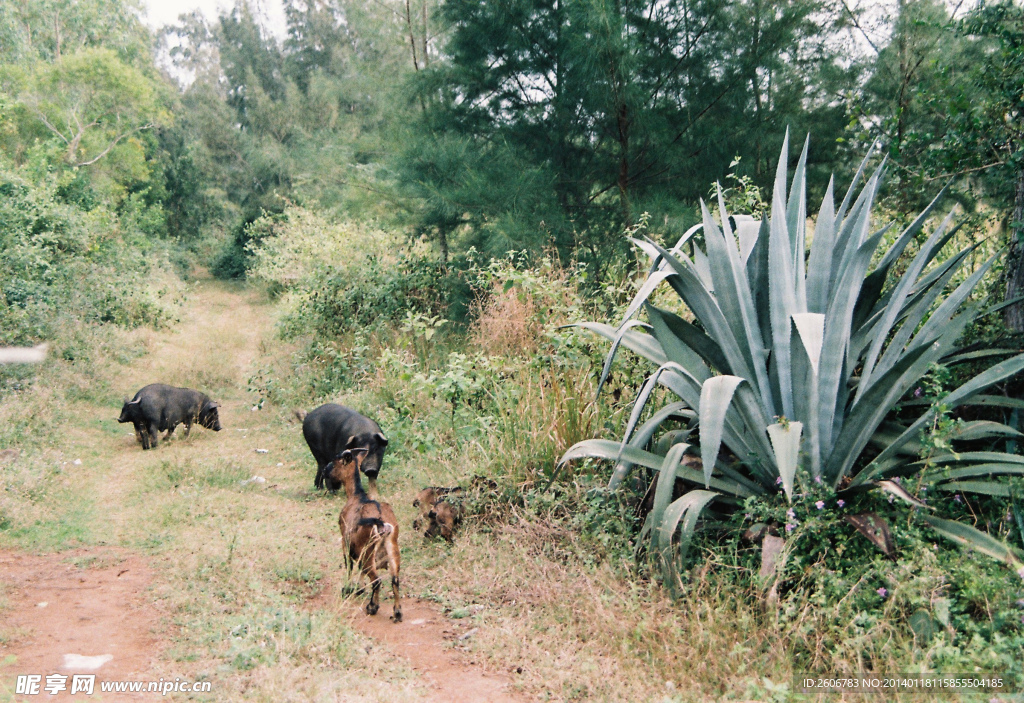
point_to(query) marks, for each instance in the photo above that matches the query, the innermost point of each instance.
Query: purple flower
(917, 392)
(790, 514)
(748, 516)
(790, 527)
(957, 498)
(778, 481)
(896, 479)
(820, 504)
(882, 592)
(840, 502)
(817, 480)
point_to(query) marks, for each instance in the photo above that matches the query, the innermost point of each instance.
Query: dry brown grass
(507, 324)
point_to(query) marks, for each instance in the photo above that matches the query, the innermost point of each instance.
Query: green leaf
(967, 536)
(989, 488)
(786, 443)
(715, 397)
(687, 509)
(987, 378)
(612, 450)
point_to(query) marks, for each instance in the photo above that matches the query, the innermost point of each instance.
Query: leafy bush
(794, 362)
(59, 262)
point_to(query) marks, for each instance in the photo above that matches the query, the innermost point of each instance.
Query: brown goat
(369, 530)
(440, 516)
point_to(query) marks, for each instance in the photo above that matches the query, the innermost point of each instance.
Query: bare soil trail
(161, 522)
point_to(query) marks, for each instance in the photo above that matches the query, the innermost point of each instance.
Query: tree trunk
(442, 240)
(623, 181)
(1013, 317)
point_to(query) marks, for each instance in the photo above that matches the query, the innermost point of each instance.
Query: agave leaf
(796, 224)
(911, 232)
(989, 488)
(876, 529)
(979, 354)
(645, 393)
(901, 493)
(878, 400)
(938, 319)
(644, 435)
(676, 349)
(923, 303)
(786, 443)
(991, 469)
(855, 229)
(733, 434)
(811, 327)
(703, 269)
(967, 457)
(610, 449)
(831, 384)
(734, 297)
(819, 266)
(690, 335)
(895, 306)
(757, 274)
(687, 509)
(984, 429)
(706, 308)
(620, 334)
(781, 291)
(841, 214)
(715, 397)
(666, 483)
(747, 231)
(987, 378)
(643, 344)
(998, 401)
(967, 536)
(649, 285)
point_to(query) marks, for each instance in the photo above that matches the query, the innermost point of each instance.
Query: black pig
(159, 407)
(331, 429)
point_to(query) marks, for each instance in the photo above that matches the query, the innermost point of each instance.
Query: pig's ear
(381, 439)
(210, 405)
(352, 442)
(133, 402)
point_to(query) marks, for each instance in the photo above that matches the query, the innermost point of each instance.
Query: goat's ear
(346, 456)
(416, 503)
(381, 439)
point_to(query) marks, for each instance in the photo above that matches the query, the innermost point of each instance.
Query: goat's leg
(394, 565)
(370, 569)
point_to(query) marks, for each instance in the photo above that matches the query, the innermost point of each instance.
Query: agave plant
(799, 357)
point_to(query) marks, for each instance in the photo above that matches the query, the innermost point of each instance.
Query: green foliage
(606, 109)
(60, 263)
(821, 343)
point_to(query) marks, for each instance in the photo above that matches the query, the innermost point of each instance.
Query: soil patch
(95, 605)
(424, 638)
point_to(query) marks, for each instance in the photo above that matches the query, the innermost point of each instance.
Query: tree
(617, 106)
(91, 101)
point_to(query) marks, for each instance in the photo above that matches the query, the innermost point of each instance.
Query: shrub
(794, 362)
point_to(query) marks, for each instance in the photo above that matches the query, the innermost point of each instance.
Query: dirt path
(180, 509)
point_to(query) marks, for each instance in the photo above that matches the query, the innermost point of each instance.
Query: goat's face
(345, 466)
